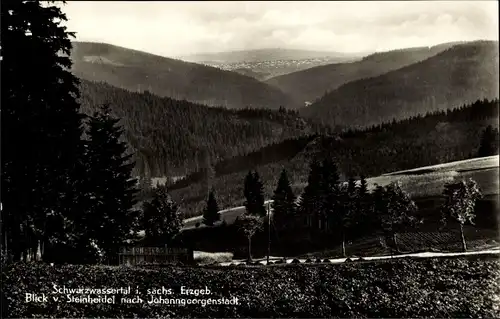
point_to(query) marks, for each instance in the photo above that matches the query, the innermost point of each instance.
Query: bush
(205, 258)
(464, 287)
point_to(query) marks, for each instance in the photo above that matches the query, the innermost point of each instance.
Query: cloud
(177, 28)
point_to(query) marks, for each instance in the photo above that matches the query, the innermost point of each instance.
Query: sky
(177, 28)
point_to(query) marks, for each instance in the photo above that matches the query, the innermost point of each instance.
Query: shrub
(204, 258)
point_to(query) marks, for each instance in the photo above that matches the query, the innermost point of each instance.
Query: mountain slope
(172, 137)
(310, 84)
(415, 142)
(462, 74)
(139, 71)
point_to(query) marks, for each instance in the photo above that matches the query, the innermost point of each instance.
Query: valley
(250, 159)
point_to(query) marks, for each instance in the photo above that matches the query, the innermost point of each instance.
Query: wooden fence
(133, 256)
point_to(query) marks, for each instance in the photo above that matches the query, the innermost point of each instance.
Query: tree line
(342, 210)
(443, 136)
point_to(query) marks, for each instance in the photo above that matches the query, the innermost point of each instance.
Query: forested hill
(140, 71)
(175, 137)
(311, 84)
(419, 141)
(462, 74)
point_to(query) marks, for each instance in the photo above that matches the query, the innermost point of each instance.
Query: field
(430, 180)
(383, 289)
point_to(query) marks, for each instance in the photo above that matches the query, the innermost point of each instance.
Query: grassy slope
(139, 71)
(310, 84)
(459, 75)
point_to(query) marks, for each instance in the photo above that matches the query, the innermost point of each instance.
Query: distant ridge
(458, 75)
(140, 71)
(311, 84)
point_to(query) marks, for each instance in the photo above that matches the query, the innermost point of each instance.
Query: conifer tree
(254, 194)
(363, 187)
(310, 204)
(345, 213)
(489, 142)
(329, 191)
(248, 191)
(363, 216)
(113, 217)
(41, 113)
(211, 212)
(284, 206)
(162, 219)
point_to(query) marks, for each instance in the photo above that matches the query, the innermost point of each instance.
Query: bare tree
(248, 225)
(460, 201)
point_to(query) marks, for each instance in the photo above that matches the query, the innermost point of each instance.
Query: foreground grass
(460, 287)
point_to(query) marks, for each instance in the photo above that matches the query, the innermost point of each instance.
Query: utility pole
(268, 232)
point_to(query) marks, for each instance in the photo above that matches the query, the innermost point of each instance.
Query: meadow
(432, 287)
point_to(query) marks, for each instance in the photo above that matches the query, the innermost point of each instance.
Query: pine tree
(364, 217)
(460, 201)
(113, 188)
(284, 206)
(211, 212)
(42, 113)
(489, 142)
(248, 191)
(329, 191)
(254, 194)
(162, 220)
(363, 187)
(345, 213)
(310, 200)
